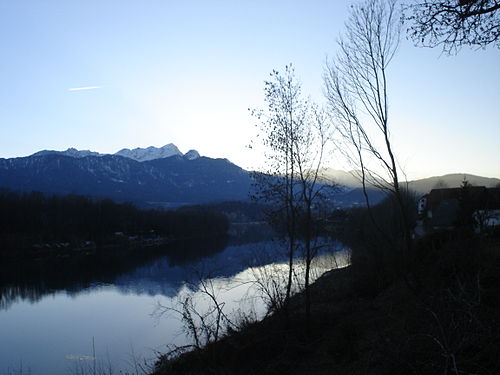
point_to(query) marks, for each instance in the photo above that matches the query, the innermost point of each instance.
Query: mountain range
(160, 176)
(138, 154)
(421, 186)
(166, 177)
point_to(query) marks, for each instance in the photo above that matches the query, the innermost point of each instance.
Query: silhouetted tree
(466, 200)
(310, 150)
(294, 136)
(357, 91)
(454, 23)
(279, 124)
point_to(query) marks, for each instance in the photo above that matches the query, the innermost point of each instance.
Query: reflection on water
(51, 312)
(32, 280)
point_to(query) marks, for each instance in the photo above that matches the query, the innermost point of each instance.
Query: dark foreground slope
(446, 321)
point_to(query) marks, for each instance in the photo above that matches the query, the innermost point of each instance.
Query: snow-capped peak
(138, 154)
(192, 154)
(150, 153)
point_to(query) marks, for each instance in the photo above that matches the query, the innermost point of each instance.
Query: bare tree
(294, 133)
(310, 150)
(454, 23)
(279, 124)
(357, 90)
(201, 312)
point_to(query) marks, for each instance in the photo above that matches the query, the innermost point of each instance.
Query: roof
(445, 206)
(475, 197)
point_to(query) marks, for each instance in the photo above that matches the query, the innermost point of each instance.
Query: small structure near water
(467, 207)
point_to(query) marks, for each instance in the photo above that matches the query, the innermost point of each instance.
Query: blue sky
(185, 72)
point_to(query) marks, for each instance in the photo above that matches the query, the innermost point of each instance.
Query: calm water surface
(54, 326)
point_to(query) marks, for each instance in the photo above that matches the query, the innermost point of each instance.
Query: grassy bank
(443, 318)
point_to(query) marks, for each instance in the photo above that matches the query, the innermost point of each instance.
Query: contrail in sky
(84, 88)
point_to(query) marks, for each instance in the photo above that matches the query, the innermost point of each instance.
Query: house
(473, 207)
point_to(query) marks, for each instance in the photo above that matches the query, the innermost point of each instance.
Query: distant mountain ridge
(452, 180)
(72, 152)
(175, 179)
(352, 179)
(137, 154)
(166, 177)
(352, 192)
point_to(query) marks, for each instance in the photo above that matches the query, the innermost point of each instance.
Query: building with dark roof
(473, 207)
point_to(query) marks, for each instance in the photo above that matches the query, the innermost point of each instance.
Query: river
(85, 319)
